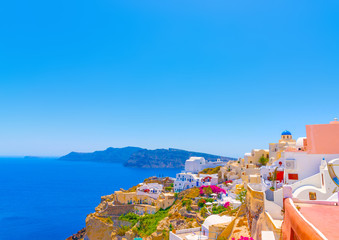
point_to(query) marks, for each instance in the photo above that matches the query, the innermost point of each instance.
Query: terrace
(310, 219)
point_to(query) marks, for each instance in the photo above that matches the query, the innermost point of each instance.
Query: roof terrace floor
(324, 217)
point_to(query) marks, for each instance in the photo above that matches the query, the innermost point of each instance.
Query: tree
(208, 191)
(263, 161)
(188, 208)
(241, 196)
(201, 202)
(203, 212)
(274, 177)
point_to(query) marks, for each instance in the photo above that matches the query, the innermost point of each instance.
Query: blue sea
(44, 198)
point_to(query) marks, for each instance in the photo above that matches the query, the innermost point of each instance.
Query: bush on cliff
(109, 220)
(203, 212)
(148, 223)
(130, 217)
(218, 209)
(122, 230)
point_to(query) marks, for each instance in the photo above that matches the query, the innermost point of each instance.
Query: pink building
(323, 138)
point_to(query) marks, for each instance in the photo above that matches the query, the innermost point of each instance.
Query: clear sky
(219, 76)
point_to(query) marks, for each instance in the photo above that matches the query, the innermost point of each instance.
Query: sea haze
(44, 198)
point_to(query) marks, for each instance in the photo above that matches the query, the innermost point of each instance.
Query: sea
(45, 198)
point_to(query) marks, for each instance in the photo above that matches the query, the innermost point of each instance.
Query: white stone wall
(306, 165)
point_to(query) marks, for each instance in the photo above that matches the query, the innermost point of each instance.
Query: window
(313, 195)
(293, 176)
(322, 179)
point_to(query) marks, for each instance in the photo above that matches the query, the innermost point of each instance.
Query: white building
(150, 189)
(197, 164)
(301, 165)
(188, 180)
(305, 165)
(194, 164)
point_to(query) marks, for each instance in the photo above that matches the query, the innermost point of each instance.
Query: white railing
(188, 230)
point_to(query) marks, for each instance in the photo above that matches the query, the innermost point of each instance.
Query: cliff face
(166, 158)
(103, 225)
(98, 228)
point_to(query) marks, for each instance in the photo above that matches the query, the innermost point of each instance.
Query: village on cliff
(288, 191)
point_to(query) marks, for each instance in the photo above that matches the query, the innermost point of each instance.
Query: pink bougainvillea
(227, 204)
(215, 189)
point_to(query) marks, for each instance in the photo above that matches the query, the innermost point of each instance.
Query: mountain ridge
(142, 158)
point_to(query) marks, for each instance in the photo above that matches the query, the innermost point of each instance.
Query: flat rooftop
(324, 217)
(194, 235)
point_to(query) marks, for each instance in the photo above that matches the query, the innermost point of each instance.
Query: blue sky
(221, 77)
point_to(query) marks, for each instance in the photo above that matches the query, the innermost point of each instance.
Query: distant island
(142, 158)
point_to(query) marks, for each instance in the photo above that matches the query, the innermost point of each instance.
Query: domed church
(285, 141)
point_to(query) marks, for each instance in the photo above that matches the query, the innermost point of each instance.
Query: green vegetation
(189, 208)
(207, 190)
(210, 170)
(224, 211)
(148, 223)
(168, 189)
(108, 220)
(218, 209)
(263, 161)
(130, 217)
(203, 212)
(241, 196)
(201, 202)
(186, 202)
(122, 230)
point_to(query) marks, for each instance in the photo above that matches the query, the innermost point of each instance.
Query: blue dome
(286, 133)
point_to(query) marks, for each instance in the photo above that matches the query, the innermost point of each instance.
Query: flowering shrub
(226, 205)
(201, 202)
(244, 238)
(215, 189)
